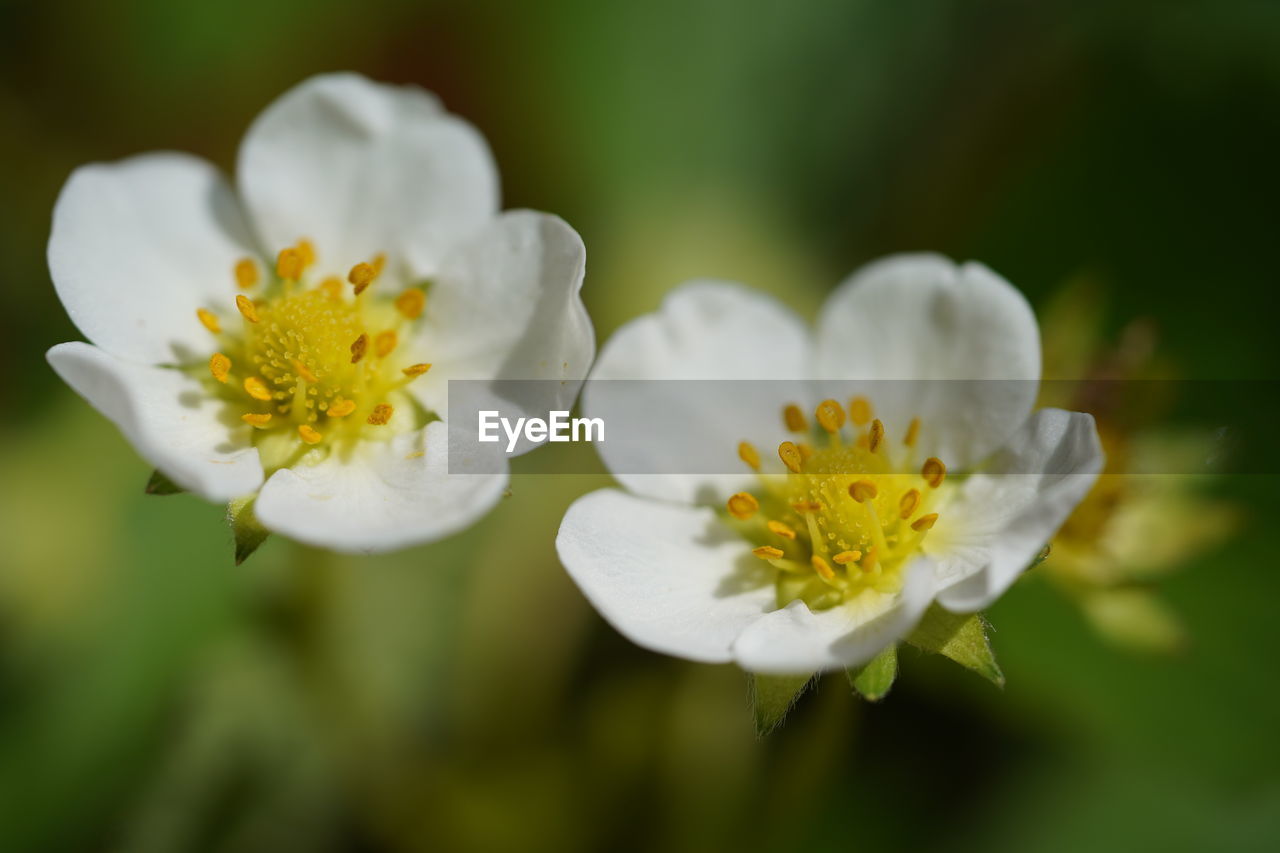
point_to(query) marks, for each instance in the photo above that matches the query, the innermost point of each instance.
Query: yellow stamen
(806, 450)
(913, 432)
(806, 506)
(289, 264)
(380, 415)
(863, 491)
(209, 320)
(821, 567)
(416, 370)
(869, 561)
(246, 273)
(384, 343)
(358, 346)
(257, 389)
(247, 308)
(909, 503)
(302, 370)
(934, 471)
(743, 506)
(767, 552)
(790, 456)
(860, 410)
(925, 522)
(877, 436)
(255, 419)
(308, 434)
(781, 529)
(748, 454)
(362, 275)
(829, 415)
(341, 408)
(306, 252)
(332, 287)
(844, 558)
(411, 302)
(379, 261)
(794, 418)
(219, 366)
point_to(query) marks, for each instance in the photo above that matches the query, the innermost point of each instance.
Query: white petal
(704, 330)
(921, 317)
(507, 305)
(168, 417)
(138, 245)
(673, 579)
(1011, 510)
(388, 495)
(796, 640)
(361, 168)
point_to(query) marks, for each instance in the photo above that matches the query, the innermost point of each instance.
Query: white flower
(277, 340)
(833, 548)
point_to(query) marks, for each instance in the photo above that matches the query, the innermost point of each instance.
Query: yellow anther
(780, 529)
(257, 389)
(379, 262)
(794, 419)
(358, 347)
(308, 433)
(411, 302)
(209, 320)
(806, 506)
(863, 491)
(767, 552)
(821, 567)
(302, 370)
(909, 503)
(934, 472)
(254, 419)
(289, 264)
(913, 432)
(380, 415)
(924, 522)
(829, 415)
(806, 450)
(790, 456)
(247, 308)
(416, 370)
(332, 287)
(341, 408)
(306, 252)
(219, 366)
(860, 410)
(748, 454)
(869, 561)
(384, 343)
(246, 273)
(844, 558)
(362, 275)
(743, 506)
(876, 437)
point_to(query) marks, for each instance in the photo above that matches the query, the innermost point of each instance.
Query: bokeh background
(155, 697)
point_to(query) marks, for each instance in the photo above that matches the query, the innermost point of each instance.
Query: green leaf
(961, 637)
(159, 484)
(248, 531)
(772, 696)
(873, 679)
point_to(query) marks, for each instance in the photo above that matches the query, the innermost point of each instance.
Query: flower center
(320, 365)
(844, 518)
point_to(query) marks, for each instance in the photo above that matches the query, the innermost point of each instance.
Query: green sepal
(873, 679)
(961, 637)
(772, 696)
(159, 484)
(1041, 557)
(248, 531)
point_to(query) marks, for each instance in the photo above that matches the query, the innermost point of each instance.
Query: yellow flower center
(310, 365)
(849, 511)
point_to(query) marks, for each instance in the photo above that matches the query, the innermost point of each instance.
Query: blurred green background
(464, 696)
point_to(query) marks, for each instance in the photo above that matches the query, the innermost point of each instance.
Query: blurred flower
(854, 531)
(295, 342)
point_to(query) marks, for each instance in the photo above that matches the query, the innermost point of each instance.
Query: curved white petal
(1005, 515)
(921, 317)
(507, 305)
(168, 418)
(705, 330)
(137, 246)
(796, 641)
(670, 578)
(360, 168)
(388, 495)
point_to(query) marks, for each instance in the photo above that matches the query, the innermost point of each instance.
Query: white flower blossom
(293, 339)
(901, 494)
